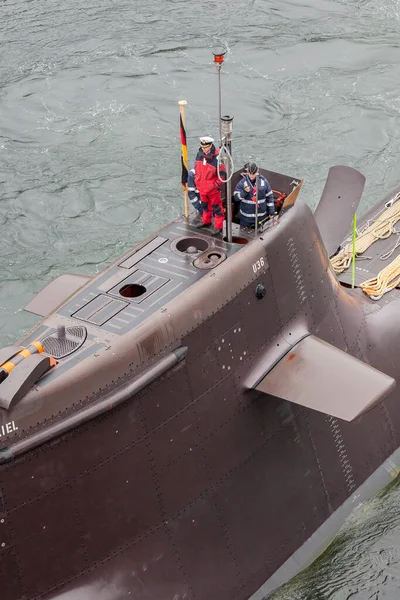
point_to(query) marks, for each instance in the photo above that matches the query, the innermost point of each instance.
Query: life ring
(279, 197)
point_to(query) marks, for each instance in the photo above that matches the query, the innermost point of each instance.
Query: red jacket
(206, 177)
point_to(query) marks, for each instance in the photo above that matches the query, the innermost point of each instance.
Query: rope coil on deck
(381, 228)
(386, 280)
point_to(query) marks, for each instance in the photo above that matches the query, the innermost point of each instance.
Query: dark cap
(252, 168)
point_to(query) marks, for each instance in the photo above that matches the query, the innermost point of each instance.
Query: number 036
(258, 264)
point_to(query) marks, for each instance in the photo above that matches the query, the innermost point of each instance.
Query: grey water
(362, 562)
(90, 152)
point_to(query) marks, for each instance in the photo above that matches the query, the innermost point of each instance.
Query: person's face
(252, 176)
(206, 148)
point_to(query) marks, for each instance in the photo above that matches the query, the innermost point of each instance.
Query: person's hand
(274, 219)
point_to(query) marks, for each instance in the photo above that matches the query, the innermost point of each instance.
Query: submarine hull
(199, 486)
(153, 508)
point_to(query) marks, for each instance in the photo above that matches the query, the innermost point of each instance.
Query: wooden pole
(182, 104)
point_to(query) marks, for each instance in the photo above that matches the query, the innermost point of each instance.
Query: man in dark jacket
(209, 176)
(246, 193)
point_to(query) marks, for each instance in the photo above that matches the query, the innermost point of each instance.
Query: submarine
(197, 420)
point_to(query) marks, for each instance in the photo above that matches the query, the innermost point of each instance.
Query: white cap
(206, 139)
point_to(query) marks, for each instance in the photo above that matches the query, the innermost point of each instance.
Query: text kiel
(7, 428)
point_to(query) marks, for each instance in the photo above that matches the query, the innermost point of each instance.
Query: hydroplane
(198, 419)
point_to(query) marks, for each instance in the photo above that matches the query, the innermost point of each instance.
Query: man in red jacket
(208, 179)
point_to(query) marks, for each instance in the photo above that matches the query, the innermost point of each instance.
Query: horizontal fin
(319, 376)
(55, 293)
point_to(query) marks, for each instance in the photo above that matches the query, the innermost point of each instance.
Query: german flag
(184, 155)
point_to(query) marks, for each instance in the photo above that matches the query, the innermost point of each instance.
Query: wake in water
(362, 562)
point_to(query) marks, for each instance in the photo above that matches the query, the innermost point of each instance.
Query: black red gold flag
(184, 155)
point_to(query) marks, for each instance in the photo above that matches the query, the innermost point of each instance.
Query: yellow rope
(385, 281)
(380, 229)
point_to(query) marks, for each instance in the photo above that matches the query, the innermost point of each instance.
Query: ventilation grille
(64, 341)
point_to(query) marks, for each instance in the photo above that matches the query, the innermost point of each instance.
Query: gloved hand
(274, 219)
(217, 184)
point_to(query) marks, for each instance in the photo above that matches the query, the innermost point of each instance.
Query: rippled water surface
(363, 562)
(90, 156)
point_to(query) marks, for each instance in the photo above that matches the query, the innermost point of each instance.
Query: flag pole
(184, 156)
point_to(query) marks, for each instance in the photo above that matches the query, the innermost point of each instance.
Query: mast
(218, 61)
(225, 144)
(226, 127)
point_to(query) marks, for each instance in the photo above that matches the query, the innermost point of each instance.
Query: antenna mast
(225, 144)
(218, 61)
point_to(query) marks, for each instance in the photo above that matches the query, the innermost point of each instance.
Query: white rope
(223, 155)
(380, 229)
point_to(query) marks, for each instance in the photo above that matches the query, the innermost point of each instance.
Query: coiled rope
(380, 229)
(386, 280)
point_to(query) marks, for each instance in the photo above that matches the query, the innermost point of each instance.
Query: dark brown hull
(198, 487)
